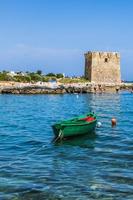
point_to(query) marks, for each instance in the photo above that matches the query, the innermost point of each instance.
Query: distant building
(12, 73)
(102, 67)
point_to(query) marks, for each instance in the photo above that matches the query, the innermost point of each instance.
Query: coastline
(59, 88)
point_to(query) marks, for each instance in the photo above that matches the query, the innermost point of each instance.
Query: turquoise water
(99, 166)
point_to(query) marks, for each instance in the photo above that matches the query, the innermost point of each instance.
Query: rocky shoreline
(63, 89)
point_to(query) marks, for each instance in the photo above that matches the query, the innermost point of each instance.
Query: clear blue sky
(53, 35)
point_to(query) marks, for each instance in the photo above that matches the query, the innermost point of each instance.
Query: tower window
(106, 60)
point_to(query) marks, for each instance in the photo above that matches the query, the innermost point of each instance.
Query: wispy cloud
(40, 52)
(56, 59)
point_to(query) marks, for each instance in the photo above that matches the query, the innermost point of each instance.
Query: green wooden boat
(77, 126)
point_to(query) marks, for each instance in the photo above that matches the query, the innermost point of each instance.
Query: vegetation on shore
(73, 80)
(38, 76)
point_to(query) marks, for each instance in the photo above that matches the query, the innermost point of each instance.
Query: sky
(53, 35)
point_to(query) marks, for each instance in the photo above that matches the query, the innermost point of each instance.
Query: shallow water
(96, 166)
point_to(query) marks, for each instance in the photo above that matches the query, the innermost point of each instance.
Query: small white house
(12, 73)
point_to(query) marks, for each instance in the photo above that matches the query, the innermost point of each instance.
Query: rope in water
(60, 136)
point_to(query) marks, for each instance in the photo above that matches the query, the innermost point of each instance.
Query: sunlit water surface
(99, 166)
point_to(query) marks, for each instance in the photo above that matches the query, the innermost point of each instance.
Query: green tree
(51, 74)
(39, 72)
(59, 75)
(5, 72)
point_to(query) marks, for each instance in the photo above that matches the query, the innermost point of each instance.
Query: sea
(97, 166)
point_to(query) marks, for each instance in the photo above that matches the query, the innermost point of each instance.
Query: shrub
(35, 77)
(5, 77)
(59, 75)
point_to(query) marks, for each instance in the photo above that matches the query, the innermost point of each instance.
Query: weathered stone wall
(102, 67)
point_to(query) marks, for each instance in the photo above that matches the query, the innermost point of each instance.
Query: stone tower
(102, 67)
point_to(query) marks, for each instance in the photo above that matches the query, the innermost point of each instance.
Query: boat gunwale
(79, 121)
(79, 124)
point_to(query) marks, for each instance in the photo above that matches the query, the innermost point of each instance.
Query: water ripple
(97, 166)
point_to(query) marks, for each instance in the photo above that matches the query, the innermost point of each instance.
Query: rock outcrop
(63, 89)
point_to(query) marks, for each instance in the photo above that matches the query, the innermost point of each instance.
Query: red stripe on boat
(88, 119)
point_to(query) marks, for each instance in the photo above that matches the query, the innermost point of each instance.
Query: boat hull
(74, 129)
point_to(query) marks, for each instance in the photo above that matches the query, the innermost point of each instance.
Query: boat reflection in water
(84, 141)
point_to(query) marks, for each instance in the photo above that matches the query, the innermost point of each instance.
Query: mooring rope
(60, 136)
